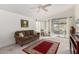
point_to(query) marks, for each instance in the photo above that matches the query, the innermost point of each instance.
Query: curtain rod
(61, 18)
(42, 20)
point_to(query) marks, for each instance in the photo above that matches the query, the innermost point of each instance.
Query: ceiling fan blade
(47, 5)
(45, 9)
(36, 7)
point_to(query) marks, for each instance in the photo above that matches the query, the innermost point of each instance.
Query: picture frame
(24, 23)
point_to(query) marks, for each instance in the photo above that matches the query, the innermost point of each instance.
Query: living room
(50, 22)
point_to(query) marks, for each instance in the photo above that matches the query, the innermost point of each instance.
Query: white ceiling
(31, 10)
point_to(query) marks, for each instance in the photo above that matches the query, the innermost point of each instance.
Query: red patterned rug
(43, 47)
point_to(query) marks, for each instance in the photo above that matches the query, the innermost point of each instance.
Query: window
(43, 27)
(59, 27)
(77, 26)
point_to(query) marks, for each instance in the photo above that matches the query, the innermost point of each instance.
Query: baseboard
(8, 45)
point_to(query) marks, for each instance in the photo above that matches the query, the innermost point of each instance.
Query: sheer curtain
(43, 26)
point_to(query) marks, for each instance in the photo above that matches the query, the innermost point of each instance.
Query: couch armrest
(38, 34)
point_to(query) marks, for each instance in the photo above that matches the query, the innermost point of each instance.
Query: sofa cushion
(35, 35)
(27, 33)
(31, 36)
(31, 32)
(26, 37)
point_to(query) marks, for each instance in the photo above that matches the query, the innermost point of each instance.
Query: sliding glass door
(59, 27)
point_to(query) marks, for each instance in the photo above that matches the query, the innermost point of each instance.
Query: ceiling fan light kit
(43, 7)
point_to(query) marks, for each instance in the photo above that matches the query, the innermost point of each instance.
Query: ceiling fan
(43, 7)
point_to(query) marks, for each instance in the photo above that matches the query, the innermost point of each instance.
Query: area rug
(42, 47)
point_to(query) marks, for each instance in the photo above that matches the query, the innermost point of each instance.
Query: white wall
(9, 23)
(77, 12)
(66, 13)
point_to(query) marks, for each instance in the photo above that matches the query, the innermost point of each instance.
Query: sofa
(26, 36)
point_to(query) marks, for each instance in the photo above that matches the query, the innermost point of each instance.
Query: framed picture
(24, 23)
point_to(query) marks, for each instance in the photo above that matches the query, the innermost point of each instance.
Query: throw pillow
(21, 35)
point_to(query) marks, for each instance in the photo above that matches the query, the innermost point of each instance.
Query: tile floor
(16, 49)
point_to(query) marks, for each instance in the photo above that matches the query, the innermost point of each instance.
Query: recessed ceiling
(31, 10)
